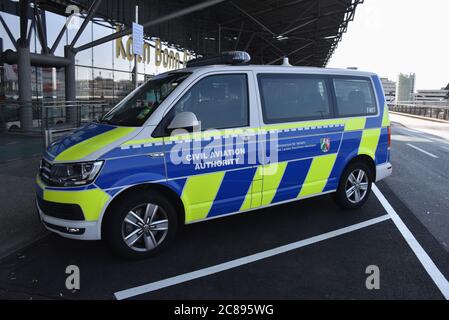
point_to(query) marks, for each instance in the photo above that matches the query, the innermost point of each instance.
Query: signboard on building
(153, 53)
(137, 38)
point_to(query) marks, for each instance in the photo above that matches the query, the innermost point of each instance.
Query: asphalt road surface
(421, 172)
(19, 161)
(327, 254)
(304, 250)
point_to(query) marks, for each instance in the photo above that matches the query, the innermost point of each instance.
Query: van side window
(290, 97)
(219, 101)
(355, 97)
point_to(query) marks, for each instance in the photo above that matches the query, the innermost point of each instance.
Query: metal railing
(435, 110)
(52, 119)
(61, 114)
(51, 114)
(10, 115)
(60, 119)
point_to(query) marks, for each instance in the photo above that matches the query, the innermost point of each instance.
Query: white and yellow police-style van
(216, 138)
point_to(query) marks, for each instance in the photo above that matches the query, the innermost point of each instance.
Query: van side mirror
(184, 120)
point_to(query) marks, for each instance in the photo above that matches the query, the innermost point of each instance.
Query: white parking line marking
(423, 151)
(436, 275)
(153, 286)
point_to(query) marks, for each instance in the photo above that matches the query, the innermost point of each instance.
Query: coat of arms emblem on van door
(325, 144)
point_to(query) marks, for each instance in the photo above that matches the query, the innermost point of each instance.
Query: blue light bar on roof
(230, 57)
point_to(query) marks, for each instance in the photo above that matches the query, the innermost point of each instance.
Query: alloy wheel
(145, 227)
(356, 186)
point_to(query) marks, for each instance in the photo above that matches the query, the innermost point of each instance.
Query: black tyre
(141, 225)
(355, 186)
(14, 128)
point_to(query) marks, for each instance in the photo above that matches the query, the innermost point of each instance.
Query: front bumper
(80, 230)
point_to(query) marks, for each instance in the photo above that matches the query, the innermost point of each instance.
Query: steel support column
(24, 81)
(24, 71)
(70, 84)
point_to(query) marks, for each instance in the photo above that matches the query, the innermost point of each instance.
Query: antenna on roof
(285, 62)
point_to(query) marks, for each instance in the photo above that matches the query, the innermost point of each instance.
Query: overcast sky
(393, 36)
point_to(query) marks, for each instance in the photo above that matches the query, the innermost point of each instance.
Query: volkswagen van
(216, 138)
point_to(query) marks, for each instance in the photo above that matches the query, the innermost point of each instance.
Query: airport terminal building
(102, 72)
(57, 51)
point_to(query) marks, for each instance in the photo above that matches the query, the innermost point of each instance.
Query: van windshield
(136, 108)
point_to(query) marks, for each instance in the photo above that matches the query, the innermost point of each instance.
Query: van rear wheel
(141, 225)
(355, 186)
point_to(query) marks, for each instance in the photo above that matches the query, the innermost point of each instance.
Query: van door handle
(156, 155)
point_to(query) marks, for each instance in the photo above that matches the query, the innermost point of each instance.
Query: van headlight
(70, 174)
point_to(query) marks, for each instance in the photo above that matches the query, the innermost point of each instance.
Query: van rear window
(355, 97)
(291, 97)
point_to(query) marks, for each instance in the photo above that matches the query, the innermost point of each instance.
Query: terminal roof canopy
(307, 31)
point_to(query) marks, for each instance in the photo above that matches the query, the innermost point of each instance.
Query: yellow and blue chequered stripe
(294, 178)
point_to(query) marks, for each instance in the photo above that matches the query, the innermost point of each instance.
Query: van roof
(277, 68)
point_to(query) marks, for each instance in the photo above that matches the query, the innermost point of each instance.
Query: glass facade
(104, 72)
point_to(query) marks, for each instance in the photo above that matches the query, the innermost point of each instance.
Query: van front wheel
(141, 225)
(355, 186)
